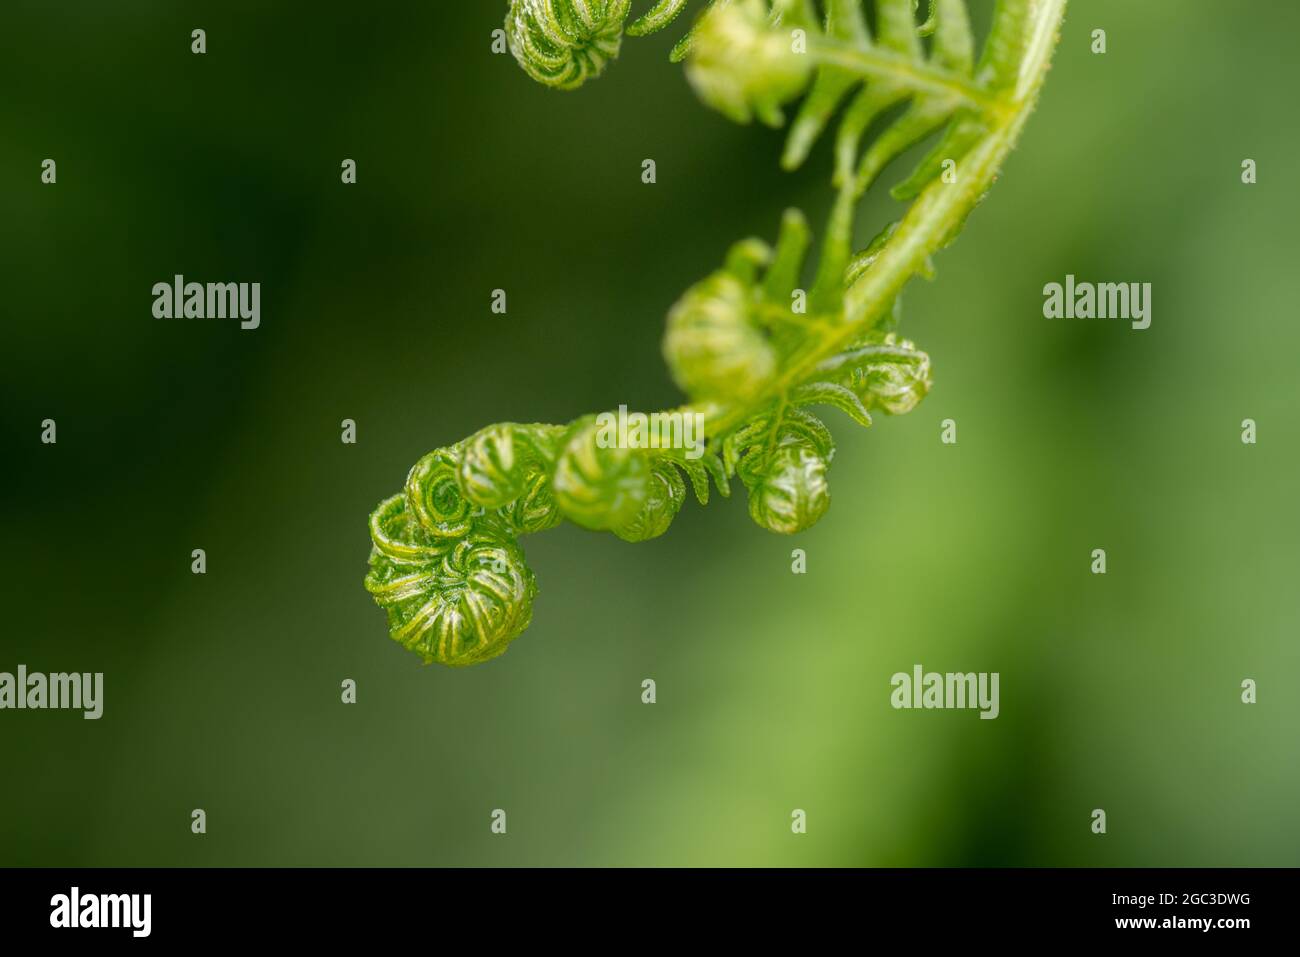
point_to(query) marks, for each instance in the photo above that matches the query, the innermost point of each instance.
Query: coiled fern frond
(752, 351)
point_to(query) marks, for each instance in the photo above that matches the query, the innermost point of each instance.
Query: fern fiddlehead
(564, 43)
(445, 562)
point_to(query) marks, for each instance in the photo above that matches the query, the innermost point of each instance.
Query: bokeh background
(222, 691)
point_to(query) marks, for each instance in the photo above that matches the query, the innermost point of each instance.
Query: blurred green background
(1119, 692)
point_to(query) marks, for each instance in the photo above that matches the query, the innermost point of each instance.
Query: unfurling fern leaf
(597, 485)
(882, 372)
(743, 66)
(714, 346)
(782, 458)
(459, 605)
(564, 43)
(445, 562)
(665, 493)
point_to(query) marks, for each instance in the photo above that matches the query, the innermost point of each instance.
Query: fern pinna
(751, 351)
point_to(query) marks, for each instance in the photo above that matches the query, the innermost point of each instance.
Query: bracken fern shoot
(446, 564)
